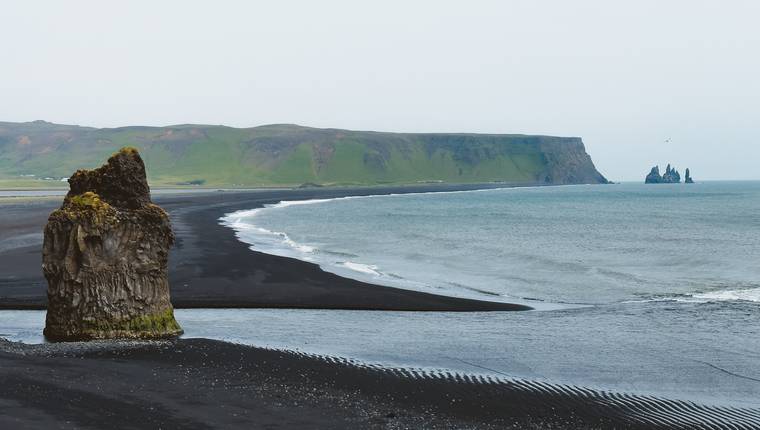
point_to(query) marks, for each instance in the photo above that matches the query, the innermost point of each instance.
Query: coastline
(210, 268)
(280, 243)
(200, 383)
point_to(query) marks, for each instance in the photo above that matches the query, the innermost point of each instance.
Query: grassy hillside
(291, 155)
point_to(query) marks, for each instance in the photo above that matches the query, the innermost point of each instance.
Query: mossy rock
(161, 325)
(127, 150)
(105, 257)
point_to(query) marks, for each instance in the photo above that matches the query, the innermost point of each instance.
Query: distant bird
(667, 140)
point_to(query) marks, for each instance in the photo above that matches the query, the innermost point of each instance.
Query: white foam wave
(286, 203)
(279, 243)
(240, 222)
(369, 269)
(735, 295)
(745, 294)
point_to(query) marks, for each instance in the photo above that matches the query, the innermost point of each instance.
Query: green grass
(21, 184)
(297, 168)
(276, 155)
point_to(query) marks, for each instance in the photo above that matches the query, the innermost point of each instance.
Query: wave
(241, 220)
(238, 221)
(270, 241)
(260, 239)
(745, 294)
(279, 243)
(369, 269)
(343, 262)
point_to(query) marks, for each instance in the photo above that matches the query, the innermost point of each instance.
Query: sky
(642, 82)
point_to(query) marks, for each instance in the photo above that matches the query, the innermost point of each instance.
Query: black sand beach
(210, 268)
(201, 384)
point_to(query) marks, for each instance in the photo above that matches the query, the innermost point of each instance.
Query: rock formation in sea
(689, 179)
(654, 176)
(105, 257)
(671, 176)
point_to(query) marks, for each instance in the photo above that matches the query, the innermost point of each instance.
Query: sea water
(589, 245)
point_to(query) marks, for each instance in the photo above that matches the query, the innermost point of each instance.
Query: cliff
(293, 155)
(105, 255)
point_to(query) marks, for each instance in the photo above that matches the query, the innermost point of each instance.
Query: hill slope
(294, 155)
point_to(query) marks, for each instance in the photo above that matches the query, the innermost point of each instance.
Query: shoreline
(209, 267)
(292, 249)
(200, 383)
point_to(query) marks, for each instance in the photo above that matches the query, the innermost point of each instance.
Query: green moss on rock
(88, 199)
(126, 150)
(160, 325)
(163, 322)
(89, 206)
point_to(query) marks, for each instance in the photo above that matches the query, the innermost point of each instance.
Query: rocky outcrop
(105, 257)
(688, 179)
(671, 176)
(654, 176)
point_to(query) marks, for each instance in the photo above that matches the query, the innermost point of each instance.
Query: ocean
(543, 246)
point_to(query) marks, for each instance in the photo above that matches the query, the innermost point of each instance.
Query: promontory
(42, 154)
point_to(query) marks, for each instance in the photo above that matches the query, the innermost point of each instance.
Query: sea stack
(654, 176)
(671, 176)
(105, 257)
(689, 179)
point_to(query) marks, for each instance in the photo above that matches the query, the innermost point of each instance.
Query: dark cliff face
(105, 256)
(568, 163)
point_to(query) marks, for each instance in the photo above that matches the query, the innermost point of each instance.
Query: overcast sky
(625, 76)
